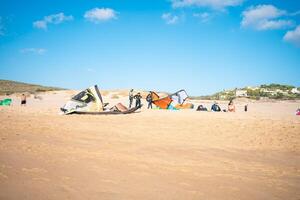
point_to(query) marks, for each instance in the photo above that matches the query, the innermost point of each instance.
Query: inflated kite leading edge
(90, 101)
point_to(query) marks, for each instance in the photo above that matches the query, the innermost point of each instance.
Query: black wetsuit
(137, 100)
(149, 100)
(215, 108)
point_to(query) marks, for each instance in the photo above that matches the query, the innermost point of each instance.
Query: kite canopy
(88, 100)
(177, 99)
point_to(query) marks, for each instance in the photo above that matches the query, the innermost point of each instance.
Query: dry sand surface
(152, 154)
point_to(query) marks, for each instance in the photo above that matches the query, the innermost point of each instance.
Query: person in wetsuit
(215, 107)
(130, 97)
(137, 98)
(149, 100)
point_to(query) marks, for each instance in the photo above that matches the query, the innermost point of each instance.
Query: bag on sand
(5, 102)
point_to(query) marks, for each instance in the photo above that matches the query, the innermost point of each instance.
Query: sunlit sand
(151, 154)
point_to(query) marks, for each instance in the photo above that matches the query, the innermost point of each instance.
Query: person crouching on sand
(137, 98)
(231, 107)
(215, 107)
(23, 100)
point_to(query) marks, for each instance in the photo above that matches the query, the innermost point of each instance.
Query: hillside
(265, 91)
(10, 87)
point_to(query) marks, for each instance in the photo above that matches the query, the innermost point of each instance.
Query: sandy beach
(151, 154)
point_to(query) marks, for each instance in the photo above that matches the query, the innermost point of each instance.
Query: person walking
(149, 100)
(137, 98)
(23, 100)
(130, 97)
(246, 108)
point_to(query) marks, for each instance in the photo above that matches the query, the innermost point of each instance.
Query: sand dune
(152, 154)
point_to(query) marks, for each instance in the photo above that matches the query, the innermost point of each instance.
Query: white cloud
(38, 51)
(100, 14)
(215, 4)
(265, 17)
(52, 19)
(204, 17)
(293, 36)
(275, 24)
(170, 19)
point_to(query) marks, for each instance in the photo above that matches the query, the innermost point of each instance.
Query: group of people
(137, 97)
(216, 108)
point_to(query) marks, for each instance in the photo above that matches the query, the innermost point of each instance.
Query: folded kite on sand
(177, 99)
(90, 101)
(5, 102)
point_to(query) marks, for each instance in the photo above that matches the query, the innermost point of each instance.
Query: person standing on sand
(137, 98)
(130, 97)
(23, 100)
(246, 108)
(231, 107)
(149, 100)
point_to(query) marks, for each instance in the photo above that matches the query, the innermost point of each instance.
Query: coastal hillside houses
(281, 91)
(273, 91)
(241, 93)
(262, 92)
(295, 91)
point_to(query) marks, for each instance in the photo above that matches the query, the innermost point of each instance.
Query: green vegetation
(10, 87)
(277, 86)
(271, 91)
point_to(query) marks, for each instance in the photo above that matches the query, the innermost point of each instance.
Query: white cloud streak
(97, 15)
(214, 4)
(170, 18)
(204, 17)
(52, 19)
(265, 17)
(38, 51)
(293, 36)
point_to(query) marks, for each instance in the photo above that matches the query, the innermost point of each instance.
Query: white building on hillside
(241, 93)
(295, 91)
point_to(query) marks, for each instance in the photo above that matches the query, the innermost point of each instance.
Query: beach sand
(151, 155)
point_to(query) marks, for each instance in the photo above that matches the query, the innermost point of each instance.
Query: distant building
(241, 93)
(264, 98)
(271, 92)
(295, 91)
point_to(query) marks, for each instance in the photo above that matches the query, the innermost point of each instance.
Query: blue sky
(202, 46)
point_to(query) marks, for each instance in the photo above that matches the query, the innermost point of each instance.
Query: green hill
(10, 87)
(265, 91)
